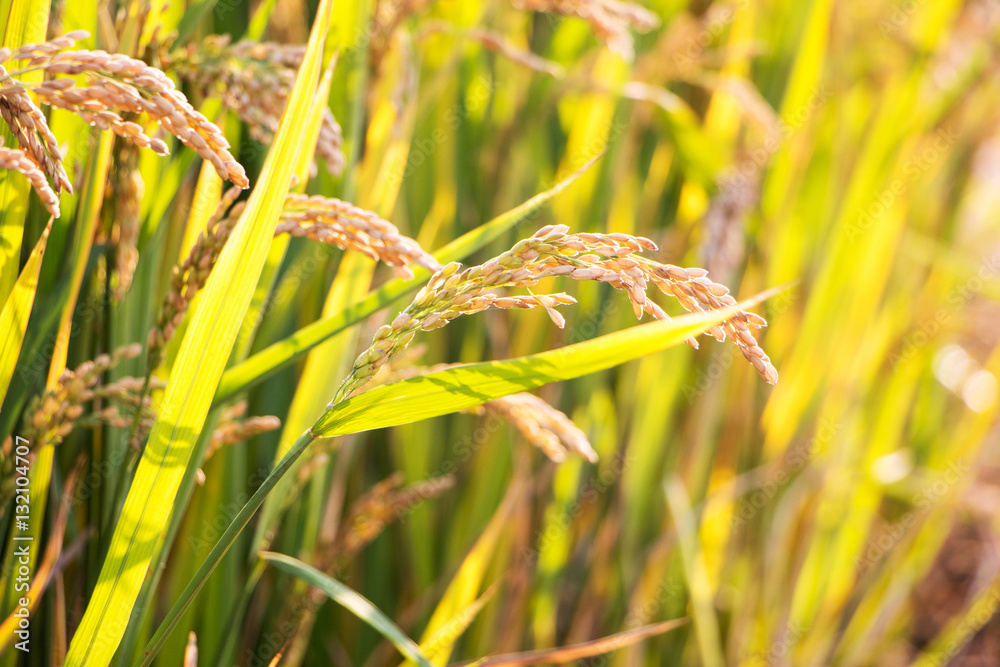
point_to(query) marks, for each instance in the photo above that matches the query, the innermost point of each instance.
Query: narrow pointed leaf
(222, 547)
(463, 387)
(465, 584)
(351, 600)
(14, 318)
(440, 642)
(626, 345)
(24, 21)
(564, 654)
(200, 361)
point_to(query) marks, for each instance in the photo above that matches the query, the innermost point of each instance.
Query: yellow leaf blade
(200, 361)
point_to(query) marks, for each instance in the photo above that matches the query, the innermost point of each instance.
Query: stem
(127, 468)
(222, 546)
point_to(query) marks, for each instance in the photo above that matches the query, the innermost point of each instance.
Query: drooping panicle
(100, 87)
(553, 251)
(255, 79)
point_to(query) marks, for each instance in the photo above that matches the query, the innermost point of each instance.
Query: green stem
(222, 546)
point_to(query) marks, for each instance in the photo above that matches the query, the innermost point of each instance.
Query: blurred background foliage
(847, 516)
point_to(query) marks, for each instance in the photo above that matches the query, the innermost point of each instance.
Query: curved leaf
(564, 654)
(462, 387)
(24, 21)
(351, 600)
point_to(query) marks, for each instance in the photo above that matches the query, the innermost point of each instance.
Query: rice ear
(17, 160)
(607, 258)
(28, 124)
(339, 223)
(114, 84)
(254, 80)
(541, 425)
(53, 414)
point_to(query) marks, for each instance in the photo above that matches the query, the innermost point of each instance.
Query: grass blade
(220, 549)
(706, 623)
(351, 600)
(25, 21)
(46, 570)
(463, 387)
(199, 365)
(444, 637)
(464, 586)
(14, 318)
(559, 364)
(961, 628)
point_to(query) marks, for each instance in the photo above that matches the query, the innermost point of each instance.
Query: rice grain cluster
(552, 251)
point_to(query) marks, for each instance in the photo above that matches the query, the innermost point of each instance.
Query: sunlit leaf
(199, 364)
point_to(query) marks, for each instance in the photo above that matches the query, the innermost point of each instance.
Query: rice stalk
(321, 219)
(541, 425)
(189, 276)
(114, 84)
(234, 426)
(497, 43)
(377, 508)
(33, 135)
(53, 414)
(254, 79)
(126, 188)
(17, 160)
(552, 251)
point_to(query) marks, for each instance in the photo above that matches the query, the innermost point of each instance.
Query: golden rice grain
(114, 84)
(553, 251)
(17, 160)
(254, 79)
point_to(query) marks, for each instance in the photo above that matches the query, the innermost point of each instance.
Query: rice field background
(253, 413)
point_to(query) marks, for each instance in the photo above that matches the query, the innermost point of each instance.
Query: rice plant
(365, 333)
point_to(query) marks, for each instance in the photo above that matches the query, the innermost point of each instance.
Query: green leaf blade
(352, 601)
(462, 387)
(24, 21)
(200, 362)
